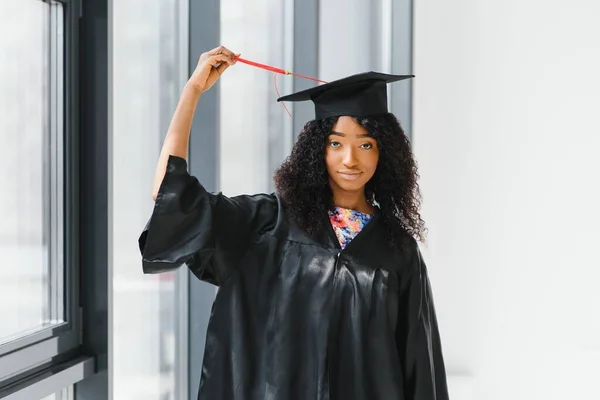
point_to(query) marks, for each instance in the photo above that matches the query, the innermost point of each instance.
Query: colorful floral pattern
(347, 223)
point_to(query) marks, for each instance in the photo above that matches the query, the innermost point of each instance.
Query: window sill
(50, 380)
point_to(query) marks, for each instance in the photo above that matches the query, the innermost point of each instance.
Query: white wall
(506, 131)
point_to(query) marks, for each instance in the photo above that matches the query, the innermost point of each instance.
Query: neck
(354, 200)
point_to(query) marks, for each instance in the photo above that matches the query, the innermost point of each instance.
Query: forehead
(349, 127)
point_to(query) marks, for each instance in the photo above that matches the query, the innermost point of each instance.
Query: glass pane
(146, 85)
(30, 166)
(257, 139)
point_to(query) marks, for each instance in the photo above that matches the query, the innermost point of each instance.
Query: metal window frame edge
(401, 62)
(92, 153)
(305, 56)
(203, 34)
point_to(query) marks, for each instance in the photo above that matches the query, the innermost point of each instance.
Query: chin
(350, 186)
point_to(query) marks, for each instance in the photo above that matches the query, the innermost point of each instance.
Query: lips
(350, 176)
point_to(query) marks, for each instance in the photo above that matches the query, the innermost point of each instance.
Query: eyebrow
(364, 135)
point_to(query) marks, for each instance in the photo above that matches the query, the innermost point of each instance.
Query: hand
(210, 67)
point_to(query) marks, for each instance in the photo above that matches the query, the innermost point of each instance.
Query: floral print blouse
(347, 223)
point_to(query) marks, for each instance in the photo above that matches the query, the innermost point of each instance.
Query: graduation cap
(359, 95)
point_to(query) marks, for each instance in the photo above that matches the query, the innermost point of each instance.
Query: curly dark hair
(302, 181)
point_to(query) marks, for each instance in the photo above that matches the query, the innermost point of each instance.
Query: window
(38, 311)
(259, 137)
(31, 165)
(149, 311)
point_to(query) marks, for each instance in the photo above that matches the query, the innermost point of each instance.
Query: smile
(350, 176)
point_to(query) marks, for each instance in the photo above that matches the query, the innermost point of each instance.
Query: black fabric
(295, 317)
(360, 95)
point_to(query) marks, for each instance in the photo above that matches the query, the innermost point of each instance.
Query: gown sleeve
(418, 338)
(208, 232)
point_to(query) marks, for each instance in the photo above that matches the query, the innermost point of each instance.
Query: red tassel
(277, 71)
(278, 95)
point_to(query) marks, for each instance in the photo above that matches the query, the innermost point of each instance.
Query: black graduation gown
(296, 317)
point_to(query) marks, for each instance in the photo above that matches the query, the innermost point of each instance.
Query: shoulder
(251, 201)
(260, 210)
(404, 248)
(409, 258)
(414, 255)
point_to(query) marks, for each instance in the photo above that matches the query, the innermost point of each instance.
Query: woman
(323, 293)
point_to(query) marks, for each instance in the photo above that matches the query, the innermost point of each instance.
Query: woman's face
(351, 156)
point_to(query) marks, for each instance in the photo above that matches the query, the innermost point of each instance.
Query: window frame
(30, 359)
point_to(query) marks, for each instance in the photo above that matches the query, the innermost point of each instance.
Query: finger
(214, 51)
(222, 50)
(221, 68)
(227, 52)
(219, 59)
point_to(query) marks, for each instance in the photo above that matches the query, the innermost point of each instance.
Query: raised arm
(208, 232)
(210, 67)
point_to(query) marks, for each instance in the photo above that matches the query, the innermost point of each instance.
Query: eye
(334, 144)
(366, 146)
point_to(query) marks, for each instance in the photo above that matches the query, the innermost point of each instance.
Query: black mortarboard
(359, 95)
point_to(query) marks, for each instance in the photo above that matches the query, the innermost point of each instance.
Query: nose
(349, 159)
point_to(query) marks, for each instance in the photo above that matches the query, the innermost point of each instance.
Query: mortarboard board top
(359, 95)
